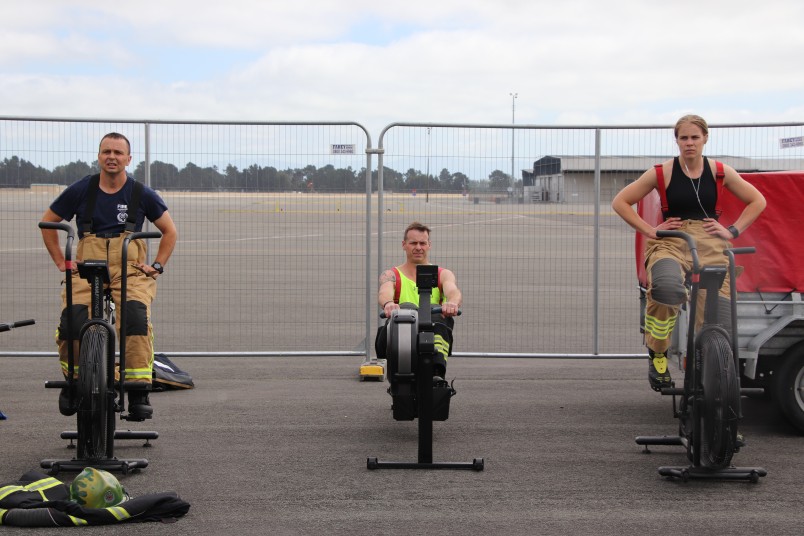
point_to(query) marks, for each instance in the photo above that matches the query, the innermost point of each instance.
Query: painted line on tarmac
(252, 238)
(21, 250)
(475, 222)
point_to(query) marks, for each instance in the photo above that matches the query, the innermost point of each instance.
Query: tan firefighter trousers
(667, 262)
(140, 292)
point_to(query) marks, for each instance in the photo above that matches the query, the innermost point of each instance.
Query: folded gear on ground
(38, 500)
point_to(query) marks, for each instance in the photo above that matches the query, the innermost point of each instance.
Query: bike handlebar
(19, 324)
(67, 228)
(696, 267)
(694, 248)
(738, 251)
(136, 236)
(68, 248)
(144, 234)
(59, 226)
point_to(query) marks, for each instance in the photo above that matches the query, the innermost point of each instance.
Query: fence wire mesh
(274, 230)
(271, 220)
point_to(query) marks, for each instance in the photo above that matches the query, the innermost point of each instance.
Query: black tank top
(682, 201)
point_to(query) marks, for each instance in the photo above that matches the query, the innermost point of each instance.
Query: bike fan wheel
(92, 394)
(721, 400)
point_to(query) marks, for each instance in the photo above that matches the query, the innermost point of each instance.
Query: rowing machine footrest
(442, 394)
(403, 396)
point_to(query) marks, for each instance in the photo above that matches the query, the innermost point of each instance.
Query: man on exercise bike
(398, 289)
(107, 207)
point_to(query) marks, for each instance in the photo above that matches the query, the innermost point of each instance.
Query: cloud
(571, 62)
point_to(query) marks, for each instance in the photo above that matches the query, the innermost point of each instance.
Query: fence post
(596, 262)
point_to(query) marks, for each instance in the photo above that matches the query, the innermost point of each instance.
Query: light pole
(513, 121)
(427, 193)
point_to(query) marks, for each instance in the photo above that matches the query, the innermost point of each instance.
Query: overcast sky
(377, 62)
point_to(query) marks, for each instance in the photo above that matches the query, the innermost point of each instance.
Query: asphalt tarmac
(279, 446)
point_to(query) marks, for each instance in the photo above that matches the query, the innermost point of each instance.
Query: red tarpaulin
(778, 264)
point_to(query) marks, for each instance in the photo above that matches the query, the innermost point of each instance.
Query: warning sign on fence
(787, 143)
(342, 148)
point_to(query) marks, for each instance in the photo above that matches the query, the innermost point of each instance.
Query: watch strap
(733, 230)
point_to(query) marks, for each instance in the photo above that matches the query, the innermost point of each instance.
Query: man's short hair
(416, 226)
(115, 136)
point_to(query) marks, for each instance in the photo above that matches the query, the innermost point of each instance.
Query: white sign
(787, 143)
(342, 148)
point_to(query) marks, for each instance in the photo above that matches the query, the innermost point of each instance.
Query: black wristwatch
(733, 230)
(158, 267)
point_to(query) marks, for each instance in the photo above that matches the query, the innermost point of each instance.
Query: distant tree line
(19, 173)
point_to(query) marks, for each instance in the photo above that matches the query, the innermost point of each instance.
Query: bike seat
(91, 268)
(713, 276)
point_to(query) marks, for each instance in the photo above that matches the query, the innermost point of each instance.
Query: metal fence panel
(525, 268)
(277, 251)
(272, 262)
(545, 265)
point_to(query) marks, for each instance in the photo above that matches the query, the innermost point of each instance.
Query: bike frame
(97, 273)
(711, 279)
(97, 282)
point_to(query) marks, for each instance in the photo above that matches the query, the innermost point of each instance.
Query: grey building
(571, 179)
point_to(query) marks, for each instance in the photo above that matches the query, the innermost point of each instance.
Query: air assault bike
(708, 406)
(94, 393)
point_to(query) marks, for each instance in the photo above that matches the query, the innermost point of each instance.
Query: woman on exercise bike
(689, 186)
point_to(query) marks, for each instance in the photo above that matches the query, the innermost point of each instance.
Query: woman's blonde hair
(695, 120)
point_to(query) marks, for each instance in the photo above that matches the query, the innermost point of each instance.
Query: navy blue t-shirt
(111, 210)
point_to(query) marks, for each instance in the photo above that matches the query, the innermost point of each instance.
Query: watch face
(158, 267)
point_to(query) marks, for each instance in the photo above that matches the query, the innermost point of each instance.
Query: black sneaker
(438, 381)
(64, 403)
(658, 373)
(139, 407)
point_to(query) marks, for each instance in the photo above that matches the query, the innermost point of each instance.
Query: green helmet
(95, 488)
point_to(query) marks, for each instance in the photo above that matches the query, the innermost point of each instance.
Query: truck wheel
(789, 388)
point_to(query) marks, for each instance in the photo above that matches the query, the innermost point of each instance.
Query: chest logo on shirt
(122, 213)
